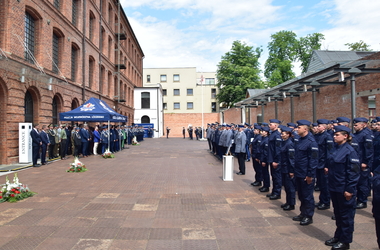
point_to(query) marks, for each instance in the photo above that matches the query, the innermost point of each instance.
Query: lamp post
(314, 84)
(353, 72)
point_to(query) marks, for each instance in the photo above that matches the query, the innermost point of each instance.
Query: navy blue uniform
(325, 146)
(274, 156)
(263, 152)
(343, 167)
(364, 149)
(287, 166)
(255, 155)
(306, 161)
(376, 201)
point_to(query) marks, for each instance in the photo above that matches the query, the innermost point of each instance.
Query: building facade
(148, 107)
(55, 55)
(189, 97)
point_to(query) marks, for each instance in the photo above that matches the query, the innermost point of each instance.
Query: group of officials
(82, 140)
(325, 156)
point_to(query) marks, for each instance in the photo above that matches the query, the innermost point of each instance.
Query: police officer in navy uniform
(287, 168)
(274, 158)
(325, 146)
(364, 138)
(306, 162)
(45, 143)
(263, 155)
(255, 156)
(376, 199)
(343, 173)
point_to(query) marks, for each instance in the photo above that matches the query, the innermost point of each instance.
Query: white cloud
(353, 21)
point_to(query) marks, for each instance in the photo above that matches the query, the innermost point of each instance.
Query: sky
(197, 33)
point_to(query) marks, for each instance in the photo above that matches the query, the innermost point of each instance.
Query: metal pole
(262, 111)
(314, 104)
(275, 108)
(291, 109)
(353, 97)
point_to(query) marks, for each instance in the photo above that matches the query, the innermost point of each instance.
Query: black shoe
(256, 183)
(360, 205)
(333, 217)
(298, 217)
(284, 205)
(240, 173)
(275, 197)
(306, 221)
(316, 188)
(264, 189)
(323, 207)
(288, 207)
(340, 245)
(317, 204)
(37, 165)
(331, 242)
(269, 195)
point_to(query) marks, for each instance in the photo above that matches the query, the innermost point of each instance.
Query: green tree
(238, 71)
(358, 46)
(284, 49)
(305, 48)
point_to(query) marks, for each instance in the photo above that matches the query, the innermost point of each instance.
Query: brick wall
(176, 121)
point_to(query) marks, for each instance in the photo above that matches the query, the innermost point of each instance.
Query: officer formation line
(302, 158)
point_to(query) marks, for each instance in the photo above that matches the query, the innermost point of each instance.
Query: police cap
(343, 119)
(274, 121)
(303, 122)
(341, 128)
(323, 121)
(360, 119)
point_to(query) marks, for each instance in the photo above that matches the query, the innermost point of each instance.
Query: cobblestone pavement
(162, 194)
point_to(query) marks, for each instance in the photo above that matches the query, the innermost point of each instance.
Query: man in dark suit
(52, 134)
(36, 143)
(45, 143)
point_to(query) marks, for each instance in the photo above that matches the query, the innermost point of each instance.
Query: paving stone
(165, 234)
(128, 245)
(164, 245)
(133, 233)
(199, 245)
(92, 244)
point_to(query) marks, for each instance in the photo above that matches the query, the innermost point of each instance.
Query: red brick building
(293, 100)
(55, 55)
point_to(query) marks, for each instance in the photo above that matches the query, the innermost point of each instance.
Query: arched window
(145, 100)
(145, 119)
(55, 110)
(92, 24)
(28, 107)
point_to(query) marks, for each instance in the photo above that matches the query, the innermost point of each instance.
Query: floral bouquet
(77, 166)
(107, 154)
(134, 141)
(13, 192)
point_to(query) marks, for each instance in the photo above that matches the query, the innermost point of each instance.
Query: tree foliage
(284, 49)
(358, 46)
(238, 71)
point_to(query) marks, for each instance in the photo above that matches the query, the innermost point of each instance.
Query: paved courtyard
(163, 194)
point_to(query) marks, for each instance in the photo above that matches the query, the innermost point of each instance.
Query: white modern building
(189, 97)
(148, 107)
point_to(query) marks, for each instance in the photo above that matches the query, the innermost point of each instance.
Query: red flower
(17, 192)
(1, 197)
(13, 189)
(12, 195)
